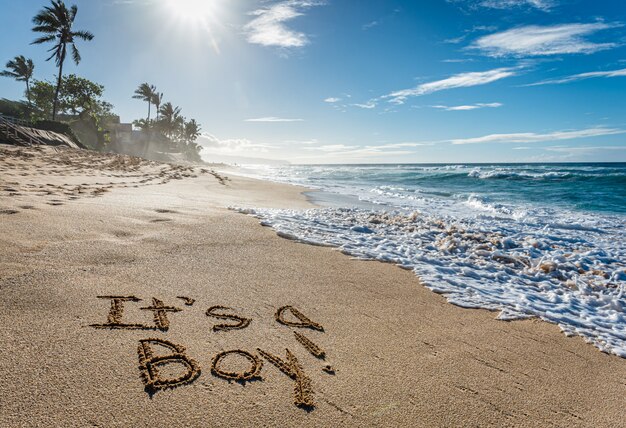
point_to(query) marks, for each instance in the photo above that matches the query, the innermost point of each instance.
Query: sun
(199, 11)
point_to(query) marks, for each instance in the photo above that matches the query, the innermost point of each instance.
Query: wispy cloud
(368, 105)
(273, 119)
(544, 5)
(582, 76)
(531, 137)
(362, 152)
(461, 80)
(332, 100)
(231, 145)
(468, 107)
(302, 142)
(369, 25)
(269, 28)
(535, 40)
(457, 60)
(583, 149)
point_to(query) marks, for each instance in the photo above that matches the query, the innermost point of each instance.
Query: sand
(76, 225)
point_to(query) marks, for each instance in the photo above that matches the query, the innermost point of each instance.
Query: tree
(145, 92)
(157, 99)
(55, 22)
(77, 95)
(42, 94)
(191, 131)
(20, 69)
(143, 124)
(171, 121)
(81, 96)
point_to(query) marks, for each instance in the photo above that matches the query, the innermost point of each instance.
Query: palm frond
(49, 29)
(44, 39)
(73, 12)
(7, 73)
(85, 35)
(75, 54)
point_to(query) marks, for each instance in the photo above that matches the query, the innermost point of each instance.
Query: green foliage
(147, 93)
(21, 69)
(81, 96)
(42, 97)
(77, 95)
(191, 131)
(170, 126)
(17, 109)
(170, 121)
(157, 100)
(55, 23)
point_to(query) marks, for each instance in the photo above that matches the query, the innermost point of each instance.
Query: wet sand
(76, 225)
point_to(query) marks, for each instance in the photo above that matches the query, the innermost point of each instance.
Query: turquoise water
(589, 187)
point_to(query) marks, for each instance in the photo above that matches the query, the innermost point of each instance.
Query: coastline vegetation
(74, 105)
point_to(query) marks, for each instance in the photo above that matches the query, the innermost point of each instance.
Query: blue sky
(352, 81)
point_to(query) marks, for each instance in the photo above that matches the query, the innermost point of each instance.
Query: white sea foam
(569, 271)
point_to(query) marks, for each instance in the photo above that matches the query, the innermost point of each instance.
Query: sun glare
(201, 19)
(199, 11)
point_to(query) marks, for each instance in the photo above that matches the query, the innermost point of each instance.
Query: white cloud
(461, 80)
(457, 60)
(582, 76)
(268, 28)
(331, 148)
(368, 105)
(468, 107)
(371, 24)
(544, 5)
(332, 100)
(535, 40)
(231, 145)
(273, 119)
(331, 151)
(531, 137)
(302, 142)
(583, 149)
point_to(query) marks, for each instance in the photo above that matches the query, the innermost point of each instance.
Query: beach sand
(76, 225)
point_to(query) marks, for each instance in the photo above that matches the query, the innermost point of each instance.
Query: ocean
(526, 240)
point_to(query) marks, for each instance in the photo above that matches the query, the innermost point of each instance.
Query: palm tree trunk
(56, 94)
(28, 91)
(148, 120)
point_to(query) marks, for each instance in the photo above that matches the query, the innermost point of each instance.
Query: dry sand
(401, 355)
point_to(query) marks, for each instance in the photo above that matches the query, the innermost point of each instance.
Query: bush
(17, 109)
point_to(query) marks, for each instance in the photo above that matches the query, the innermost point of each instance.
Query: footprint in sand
(165, 211)
(160, 220)
(8, 211)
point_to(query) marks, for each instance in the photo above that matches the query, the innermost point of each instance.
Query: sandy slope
(402, 356)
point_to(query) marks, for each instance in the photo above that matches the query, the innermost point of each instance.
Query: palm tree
(143, 124)
(157, 99)
(55, 22)
(20, 69)
(145, 92)
(170, 119)
(191, 131)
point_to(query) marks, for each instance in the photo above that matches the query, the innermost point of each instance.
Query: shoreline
(401, 354)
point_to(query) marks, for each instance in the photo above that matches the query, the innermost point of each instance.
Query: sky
(351, 81)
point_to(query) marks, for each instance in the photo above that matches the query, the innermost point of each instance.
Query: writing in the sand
(159, 357)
